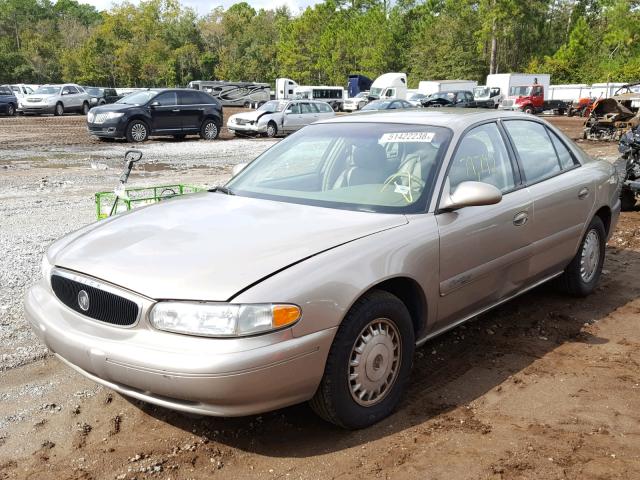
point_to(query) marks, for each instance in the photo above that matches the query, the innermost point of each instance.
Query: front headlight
(91, 116)
(45, 268)
(222, 319)
(114, 115)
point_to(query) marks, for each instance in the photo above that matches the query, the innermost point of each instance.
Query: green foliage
(162, 43)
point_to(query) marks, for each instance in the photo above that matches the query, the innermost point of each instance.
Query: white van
(389, 85)
(334, 96)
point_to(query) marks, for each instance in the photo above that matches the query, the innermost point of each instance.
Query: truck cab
(530, 99)
(389, 86)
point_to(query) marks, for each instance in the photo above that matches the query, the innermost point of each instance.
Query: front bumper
(247, 128)
(109, 130)
(36, 108)
(221, 377)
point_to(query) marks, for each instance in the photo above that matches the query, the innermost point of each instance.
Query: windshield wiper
(224, 190)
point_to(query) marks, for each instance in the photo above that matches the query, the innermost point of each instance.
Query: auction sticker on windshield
(407, 137)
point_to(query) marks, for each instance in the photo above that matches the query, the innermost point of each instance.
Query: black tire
(85, 108)
(627, 200)
(58, 110)
(247, 105)
(334, 401)
(209, 130)
(528, 110)
(11, 110)
(573, 280)
(272, 129)
(137, 131)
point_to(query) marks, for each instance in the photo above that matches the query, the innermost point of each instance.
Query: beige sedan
(317, 270)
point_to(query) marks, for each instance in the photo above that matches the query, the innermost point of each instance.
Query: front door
(165, 113)
(484, 250)
(292, 117)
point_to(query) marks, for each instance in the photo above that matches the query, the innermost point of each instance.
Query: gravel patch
(46, 193)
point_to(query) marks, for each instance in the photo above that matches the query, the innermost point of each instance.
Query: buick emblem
(83, 300)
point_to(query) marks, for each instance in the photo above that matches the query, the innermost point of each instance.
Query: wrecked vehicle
(611, 117)
(279, 117)
(630, 149)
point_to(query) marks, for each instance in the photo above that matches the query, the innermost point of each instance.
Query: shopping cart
(123, 199)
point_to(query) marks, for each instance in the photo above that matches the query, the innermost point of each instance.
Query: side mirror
(154, 104)
(471, 194)
(237, 168)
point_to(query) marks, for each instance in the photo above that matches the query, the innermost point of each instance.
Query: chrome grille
(100, 118)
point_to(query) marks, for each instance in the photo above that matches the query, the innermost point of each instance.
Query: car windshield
(374, 167)
(377, 105)
(520, 91)
(48, 90)
(94, 91)
(272, 106)
(415, 96)
(481, 92)
(138, 98)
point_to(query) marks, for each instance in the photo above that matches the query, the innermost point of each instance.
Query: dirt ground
(544, 387)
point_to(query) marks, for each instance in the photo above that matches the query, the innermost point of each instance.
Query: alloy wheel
(138, 132)
(210, 131)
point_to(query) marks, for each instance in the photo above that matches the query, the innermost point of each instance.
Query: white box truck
(434, 86)
(389, 85)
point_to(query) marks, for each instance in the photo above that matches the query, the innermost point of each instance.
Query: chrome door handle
(520, 219)
(583, 193)
(176, 110)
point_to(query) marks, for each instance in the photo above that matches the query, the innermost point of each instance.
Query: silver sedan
(317, 270)
(278, 117)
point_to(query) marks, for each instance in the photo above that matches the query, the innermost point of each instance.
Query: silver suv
(57, 99)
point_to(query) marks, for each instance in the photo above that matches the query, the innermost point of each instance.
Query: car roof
(455, 118)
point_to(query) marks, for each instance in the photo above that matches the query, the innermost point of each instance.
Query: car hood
(210, 246)
(111, 107)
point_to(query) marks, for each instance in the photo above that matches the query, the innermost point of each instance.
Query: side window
(391, 92)
(72, 90)
(534, 147)
(469, 97)
(189, 98)
(204, 98)
(566, 159)
(482, 157)
(307, 108)
(294, 108)
(324, 108)
(166, 99)
(66, 90)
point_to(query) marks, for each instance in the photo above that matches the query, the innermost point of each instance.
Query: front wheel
(11, 110)
(137, 131)
(368, 364)
(209, 130)
(581, 276)
(272, 130)
(528, 110)
(85, 108)
(59, 110)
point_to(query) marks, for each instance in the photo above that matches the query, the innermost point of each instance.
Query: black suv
(8, 101)
(101, 95)
(175, 111)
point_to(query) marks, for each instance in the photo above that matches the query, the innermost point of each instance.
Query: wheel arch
(411, 294)
(604, 213)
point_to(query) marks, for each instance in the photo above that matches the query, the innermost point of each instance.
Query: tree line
(162, 43)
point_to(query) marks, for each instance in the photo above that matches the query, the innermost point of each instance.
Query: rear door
(562, 192)
(165, 113)
(292, 117)
(484, 250)
(191, 110)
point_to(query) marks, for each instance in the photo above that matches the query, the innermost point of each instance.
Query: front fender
(326, 285)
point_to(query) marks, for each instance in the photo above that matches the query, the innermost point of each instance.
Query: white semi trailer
(434, 86)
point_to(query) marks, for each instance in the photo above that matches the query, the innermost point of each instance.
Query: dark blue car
(8, 101)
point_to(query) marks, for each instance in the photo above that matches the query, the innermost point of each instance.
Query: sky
(205, 6)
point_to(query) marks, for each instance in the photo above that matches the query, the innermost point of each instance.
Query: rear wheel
(85, 108)
(272, 129)
(209, 130)
(58, 110)
(368, 364)
(137, 131)
(581, 276)
(11, 110)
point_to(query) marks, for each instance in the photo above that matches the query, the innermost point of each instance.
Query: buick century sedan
(316, 271)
